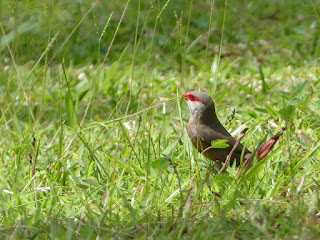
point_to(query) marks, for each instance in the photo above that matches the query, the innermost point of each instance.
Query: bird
(204, 127)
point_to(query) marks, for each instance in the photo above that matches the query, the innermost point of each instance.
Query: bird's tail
(264, 150)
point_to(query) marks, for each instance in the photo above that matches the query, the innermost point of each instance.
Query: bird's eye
(192, 97)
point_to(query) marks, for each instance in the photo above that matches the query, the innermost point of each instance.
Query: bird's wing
(208, 135)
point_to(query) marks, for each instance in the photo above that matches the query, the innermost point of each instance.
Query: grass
(83, 131)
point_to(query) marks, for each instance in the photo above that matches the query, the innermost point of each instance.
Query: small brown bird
(204, 127)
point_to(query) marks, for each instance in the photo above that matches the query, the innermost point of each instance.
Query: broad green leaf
(252, 113)
(220, 143)
(263, 110)
(160, 163)
(287, 112)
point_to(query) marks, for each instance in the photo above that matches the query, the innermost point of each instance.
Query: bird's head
(199, 102)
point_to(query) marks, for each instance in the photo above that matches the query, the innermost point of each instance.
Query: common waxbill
(204, 127)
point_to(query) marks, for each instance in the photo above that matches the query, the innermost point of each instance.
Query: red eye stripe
(192, 98)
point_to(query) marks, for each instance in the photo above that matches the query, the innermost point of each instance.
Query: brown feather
(204, 127)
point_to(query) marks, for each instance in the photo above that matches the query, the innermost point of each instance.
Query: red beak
(185, 96)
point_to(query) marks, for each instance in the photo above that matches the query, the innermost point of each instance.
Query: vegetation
(90, 102)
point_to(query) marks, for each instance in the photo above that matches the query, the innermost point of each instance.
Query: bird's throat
(195, 109)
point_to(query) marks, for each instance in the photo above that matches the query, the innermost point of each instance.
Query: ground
(91, 100)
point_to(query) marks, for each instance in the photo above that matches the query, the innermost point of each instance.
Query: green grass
(80, 116)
